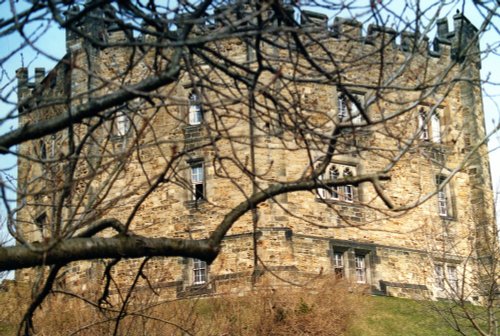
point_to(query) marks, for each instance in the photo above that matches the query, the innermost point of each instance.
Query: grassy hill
(332, 310)
(386, 316)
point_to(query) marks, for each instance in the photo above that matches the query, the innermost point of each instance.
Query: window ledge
(190, 127)
(195, 204)
(116, 138)
(339, 202)
(194, 290)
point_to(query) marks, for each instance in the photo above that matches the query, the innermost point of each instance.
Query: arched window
(334, 174)
(430, 128)
(342, 106)
(339, 193)
(422, 124)
(347, 109)
(348, 189)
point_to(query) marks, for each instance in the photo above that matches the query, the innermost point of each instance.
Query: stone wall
(297, 235)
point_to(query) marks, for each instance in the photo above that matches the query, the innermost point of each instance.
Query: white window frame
(423, 125)
(348, 189)
(446, 277)
(347, 109)
(337, 193)
(442, 203)
(439, 276)
(321, 191)
(121, 125)
(197, 171)
(195, 110)
(443, 197)
(429, 127)
(435, 128)
(334, 191)
(338, 264)
(53, 143)
(451, 273)
(342, 112)
(200, 272)
(360, 267)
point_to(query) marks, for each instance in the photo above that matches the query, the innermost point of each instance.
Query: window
(439, 275)
(443, 197)
(43, 150)
(53, 143)
(195, 112)
(435, 128)
(452, 277)
(338, 264)
(197, 181)
(347, 109)
(41, 222)
(446, 281)
(340, 193)
(351, 262)
(121, 125)
(250, 52)
(199, 272)
(360, 268)
(430, 128)
(342, 105)
(348, 189)
(334, 174)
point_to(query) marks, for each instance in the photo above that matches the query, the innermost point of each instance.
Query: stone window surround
(200, 272)
(41, 221)
(195, 111)
(349, 256)
(430, 127)
(345, 194)
(446, 278)
(188, 286)
(445, 200)
(346, 109)
(198, 187)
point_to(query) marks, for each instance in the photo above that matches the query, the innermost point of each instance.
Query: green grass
(387, 316)
(7, 329)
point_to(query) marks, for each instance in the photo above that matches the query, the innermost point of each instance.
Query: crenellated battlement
(96, 31)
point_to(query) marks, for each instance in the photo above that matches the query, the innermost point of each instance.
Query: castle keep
(259, 101)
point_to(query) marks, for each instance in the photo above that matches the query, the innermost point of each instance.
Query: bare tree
(166, 127)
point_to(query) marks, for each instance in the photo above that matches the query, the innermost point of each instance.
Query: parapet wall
(457, 44)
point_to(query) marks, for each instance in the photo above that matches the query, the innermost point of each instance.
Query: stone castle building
(240, 117)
